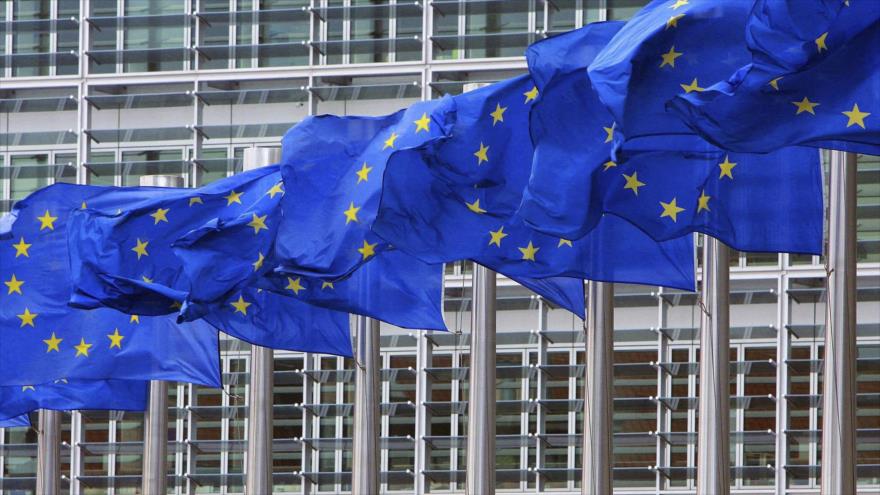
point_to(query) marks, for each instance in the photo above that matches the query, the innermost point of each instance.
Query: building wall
(103, 91)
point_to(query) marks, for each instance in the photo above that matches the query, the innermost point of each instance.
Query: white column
(596, 477)
(365, 458)
(481, 390)
(49, 452)
(839, 399)
(713, 440)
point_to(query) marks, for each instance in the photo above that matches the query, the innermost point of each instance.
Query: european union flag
(121, 242)
(751, 202)
(16, 421)
(813, 80)
(333, 168)
(391, 286)
(66, 395)
(667, 48)
(42, 339)
(457, 198)
(149, 276)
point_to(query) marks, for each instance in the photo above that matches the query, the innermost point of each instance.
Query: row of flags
(622, 141)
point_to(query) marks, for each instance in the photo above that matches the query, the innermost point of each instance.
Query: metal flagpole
(596, 477)
(838, 402)
(713, 440)
(258, 464)
(49, 452)
(481, 391)
(365, 458)
(156, 418)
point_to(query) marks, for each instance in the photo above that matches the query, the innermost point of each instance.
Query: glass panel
(37, 175)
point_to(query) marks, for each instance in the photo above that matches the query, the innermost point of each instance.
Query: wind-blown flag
(667, 48)
(813, 80)
(15, 422)
(66, 395)
(457, 197)
(150, 277)
(751, 202)
(42, 339)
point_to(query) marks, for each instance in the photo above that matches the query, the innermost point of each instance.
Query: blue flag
(42, 339)
(150, 277)
(813, 80)
(751, 202)
(667, 48)
(66, 395)
(16, 422)
(333, 168)
(457, 198)
(391, 286)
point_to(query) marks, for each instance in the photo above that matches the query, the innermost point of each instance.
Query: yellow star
(134, 319)
(498, 114)
(633, 183)
(159, 216)
(678, 3)
(693, 86)
(367, 249)
(27, 318)
(389, 143)
(528, 252)
(856, 116)
(482, 154)
(294, 285)
(564, 242)
(351, 214)
(52, 343)
(83, 205)
(325, 285)
(531, 94)
(21, 249)
(116, 339)
(497, 235)
(805, 105)
(703, 202)
(276, 189)
(14, 285)
(608, 164)
(259, 263)
(820, 42)
(475, 206)
(195, 200)
(25, 388)
(241, 305)
(671, 210)
(422, 124)
(82, 349)
(47, 221)
(609, 132)
(175, 305)
(141, 248)
(364, 173)
(258, 223)
(726, 168)
(146, 279)
(232, 197)
(669, 57)
(672, 22)
(775, 83)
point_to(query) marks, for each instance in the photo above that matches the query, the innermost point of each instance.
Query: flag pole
(838, 401)
(597, 474)
(713, 438)
(156, 418)
(365, 458)
(48, 452)
(481, 390)
(258, 463)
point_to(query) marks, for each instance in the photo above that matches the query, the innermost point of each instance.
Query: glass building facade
(104, 91)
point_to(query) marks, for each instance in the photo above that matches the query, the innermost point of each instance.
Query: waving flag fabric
(65, 395)
(751, 202)
(457, 198)
(813, 80)
(15, 422)
(333, 168)
(42, 339)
